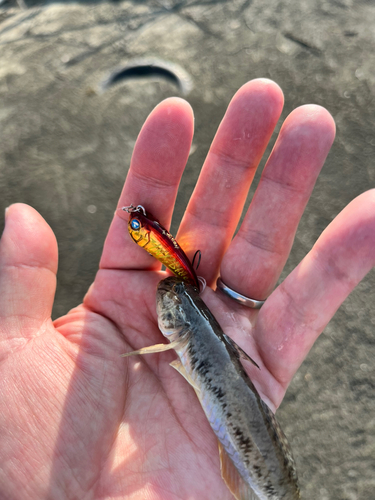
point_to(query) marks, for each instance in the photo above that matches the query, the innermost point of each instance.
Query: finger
(261, 247)
(216, 205)
(300, 308)
(157, 164)
(28, 266)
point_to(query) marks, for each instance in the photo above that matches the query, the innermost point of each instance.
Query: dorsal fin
(240, 352)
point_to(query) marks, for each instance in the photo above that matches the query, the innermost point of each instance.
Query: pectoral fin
(232, 478)
(240, 352)
(154, 348)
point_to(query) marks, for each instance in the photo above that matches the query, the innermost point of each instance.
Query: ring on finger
(238, 297)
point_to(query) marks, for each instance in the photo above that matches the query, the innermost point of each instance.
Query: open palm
(78, 421)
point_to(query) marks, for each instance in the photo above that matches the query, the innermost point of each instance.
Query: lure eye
(135, 224)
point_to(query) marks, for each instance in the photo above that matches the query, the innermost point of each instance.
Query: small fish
(256, 460)
(148, 233)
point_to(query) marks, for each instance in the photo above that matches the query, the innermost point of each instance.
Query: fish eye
(135, 224)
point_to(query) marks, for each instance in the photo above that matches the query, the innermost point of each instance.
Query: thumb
(28, 266)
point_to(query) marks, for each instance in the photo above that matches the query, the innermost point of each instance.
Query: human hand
(79, 421)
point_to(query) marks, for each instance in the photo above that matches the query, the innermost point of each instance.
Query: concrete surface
(65, 149)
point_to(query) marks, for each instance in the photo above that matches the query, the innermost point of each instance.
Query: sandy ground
(66, 145)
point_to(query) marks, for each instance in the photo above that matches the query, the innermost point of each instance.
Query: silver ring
(241, 299)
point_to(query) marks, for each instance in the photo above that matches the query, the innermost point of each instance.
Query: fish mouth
(171, 317)
(168, 294)
(168, 284)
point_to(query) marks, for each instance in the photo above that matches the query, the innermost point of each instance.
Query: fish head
(169, 305)
(138, 227)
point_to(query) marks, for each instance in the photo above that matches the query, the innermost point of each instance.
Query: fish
(255, 457)
(148, 233)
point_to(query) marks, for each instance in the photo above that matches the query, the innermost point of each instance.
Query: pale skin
(77, 421)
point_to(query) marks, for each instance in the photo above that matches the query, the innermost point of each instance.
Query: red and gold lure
(158, 242)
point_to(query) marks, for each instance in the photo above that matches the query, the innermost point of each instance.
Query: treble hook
(131, 208)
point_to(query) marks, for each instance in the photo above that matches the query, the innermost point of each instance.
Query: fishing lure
(148, 233)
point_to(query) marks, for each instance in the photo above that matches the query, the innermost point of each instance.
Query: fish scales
(242, 422)
(215, 372)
